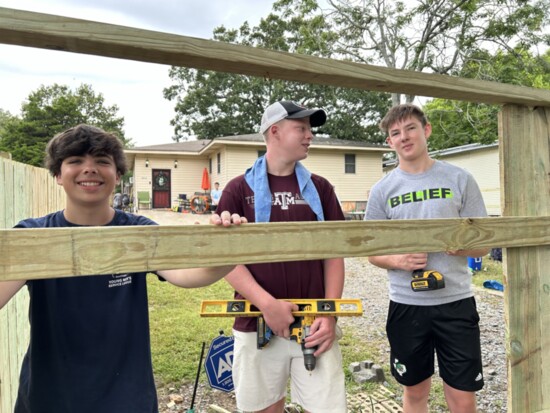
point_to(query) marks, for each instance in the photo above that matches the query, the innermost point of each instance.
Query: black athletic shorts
(451, 330)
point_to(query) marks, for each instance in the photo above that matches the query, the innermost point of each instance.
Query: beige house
(482, 161)
(172, 172)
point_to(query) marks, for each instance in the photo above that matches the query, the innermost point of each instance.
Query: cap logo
(298, 108)
(290, 110)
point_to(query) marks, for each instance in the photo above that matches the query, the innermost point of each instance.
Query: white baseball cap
(287, 109)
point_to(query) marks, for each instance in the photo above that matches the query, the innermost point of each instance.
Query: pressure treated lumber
(61, 252)
(525, 188)
(46, 31)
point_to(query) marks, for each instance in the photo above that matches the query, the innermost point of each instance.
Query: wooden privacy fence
(25, 191)
(524, 134)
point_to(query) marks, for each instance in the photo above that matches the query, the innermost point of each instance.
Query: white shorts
(261, 376)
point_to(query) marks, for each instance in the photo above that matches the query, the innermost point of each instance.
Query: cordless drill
(299, 330)
(427, 280)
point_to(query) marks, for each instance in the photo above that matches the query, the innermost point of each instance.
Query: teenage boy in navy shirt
(89, 347)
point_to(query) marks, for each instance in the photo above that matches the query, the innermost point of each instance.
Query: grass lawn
(490, 270)
(178, 331)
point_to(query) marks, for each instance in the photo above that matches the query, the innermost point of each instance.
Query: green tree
(433, 35)
(212, 104)
(50, 110)
(457, 123)
(5, 116)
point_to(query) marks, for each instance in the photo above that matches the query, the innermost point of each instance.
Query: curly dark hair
(84, 140)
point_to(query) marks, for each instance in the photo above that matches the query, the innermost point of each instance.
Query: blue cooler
(474, 263)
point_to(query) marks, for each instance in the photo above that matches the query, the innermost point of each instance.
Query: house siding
(186, 178)
(215, 176)
(352, 189)
(239, 159)
(349, 187)
(484, 165)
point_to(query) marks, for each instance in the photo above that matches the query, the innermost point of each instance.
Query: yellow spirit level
(308, 306)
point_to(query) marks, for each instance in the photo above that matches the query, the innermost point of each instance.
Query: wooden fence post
(524, 135)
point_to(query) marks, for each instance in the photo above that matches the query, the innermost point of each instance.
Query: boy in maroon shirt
(278, 188)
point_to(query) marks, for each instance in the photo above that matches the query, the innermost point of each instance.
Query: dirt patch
(173, 399)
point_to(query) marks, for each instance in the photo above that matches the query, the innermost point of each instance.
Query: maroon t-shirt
(294, 279)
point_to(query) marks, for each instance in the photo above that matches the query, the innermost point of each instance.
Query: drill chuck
(309, 358)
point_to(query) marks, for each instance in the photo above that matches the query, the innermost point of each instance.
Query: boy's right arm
(277, 313)
(8, 289)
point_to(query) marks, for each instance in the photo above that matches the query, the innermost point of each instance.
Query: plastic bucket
(474, 263)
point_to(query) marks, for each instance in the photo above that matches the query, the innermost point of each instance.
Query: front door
(161, 188)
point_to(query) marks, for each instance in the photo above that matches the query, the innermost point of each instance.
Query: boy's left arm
(334, 277)
(195, 277)
(200, 277)
(323, 329)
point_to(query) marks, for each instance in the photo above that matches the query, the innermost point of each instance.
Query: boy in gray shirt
(443, 320)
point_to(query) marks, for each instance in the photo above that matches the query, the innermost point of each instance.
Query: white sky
(135, 87)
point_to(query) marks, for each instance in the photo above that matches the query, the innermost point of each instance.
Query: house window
(349, 163)
(219, 157)
(210, 165)
(261, 153)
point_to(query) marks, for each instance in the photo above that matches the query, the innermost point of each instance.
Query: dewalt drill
(299, 330)
(427, 280)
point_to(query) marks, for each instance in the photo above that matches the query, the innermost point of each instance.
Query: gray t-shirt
(444, 191)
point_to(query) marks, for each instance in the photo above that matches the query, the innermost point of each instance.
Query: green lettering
(435, 193)
(446, 193)
(394, 201)
(418, 196)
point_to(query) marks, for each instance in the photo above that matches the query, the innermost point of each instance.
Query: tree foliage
(48, 111)
(481, 39)
(212, 104)
(458, 123)
(455, 37)
(434, 35)
(5, 117)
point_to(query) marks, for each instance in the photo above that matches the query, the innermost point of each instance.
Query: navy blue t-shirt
(89, 349)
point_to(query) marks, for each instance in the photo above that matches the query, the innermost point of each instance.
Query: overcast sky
(135, 87)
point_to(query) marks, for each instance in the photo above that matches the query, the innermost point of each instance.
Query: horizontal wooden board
(46, 31)
(63, 252)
